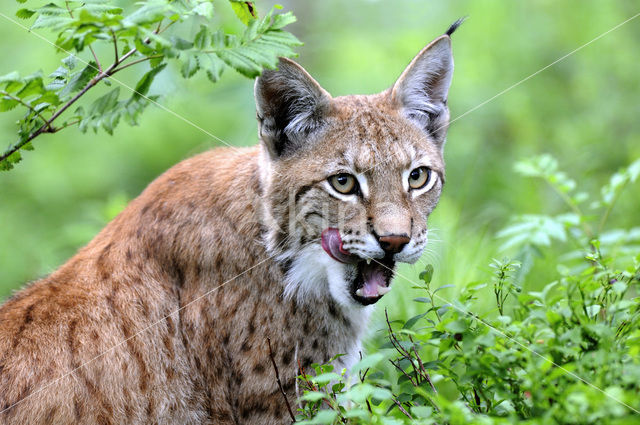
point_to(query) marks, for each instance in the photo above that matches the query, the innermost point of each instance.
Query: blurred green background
(583, 110)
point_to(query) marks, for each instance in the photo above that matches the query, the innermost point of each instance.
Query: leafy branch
(136, 37)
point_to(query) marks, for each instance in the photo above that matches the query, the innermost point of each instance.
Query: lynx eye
(344, 183)
(419, 177)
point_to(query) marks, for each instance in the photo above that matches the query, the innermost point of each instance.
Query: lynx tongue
(332, 244)
(375, 281)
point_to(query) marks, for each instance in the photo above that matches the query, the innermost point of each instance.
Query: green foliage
(567, 354)
(137, 34)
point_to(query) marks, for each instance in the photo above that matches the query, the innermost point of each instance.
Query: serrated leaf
(190, 65)
(105, 103)
(215, 70)
(244, 10)
(61, 72)
(240, 63)
(7, 104)
(79, 79)
(70, 62)
(33, 86)
(180, 43)
(11, 77)
(52, 22)
(280, 21)
(142, 88)
(204, 9)
(25, 13)
(7, 164)
(202, 38)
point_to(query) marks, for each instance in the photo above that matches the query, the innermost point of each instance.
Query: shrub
(568, 353)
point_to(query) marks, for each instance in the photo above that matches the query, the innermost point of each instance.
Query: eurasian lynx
(164, 316)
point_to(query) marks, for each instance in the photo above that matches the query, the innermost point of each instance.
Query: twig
(404, 373)
(396, 344)
(402, 409)
(362, 377)
(26, 105)
(115, 46)
(275, 367)
(137, 62)
(424, 372)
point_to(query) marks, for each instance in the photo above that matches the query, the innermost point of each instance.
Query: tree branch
(47, 126)
(275, 368)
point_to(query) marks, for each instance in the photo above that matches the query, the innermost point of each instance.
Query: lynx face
(350, 181)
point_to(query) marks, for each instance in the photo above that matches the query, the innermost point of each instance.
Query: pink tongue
(332, 244)
(374, 278)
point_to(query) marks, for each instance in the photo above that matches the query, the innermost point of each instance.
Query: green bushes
(568, 353)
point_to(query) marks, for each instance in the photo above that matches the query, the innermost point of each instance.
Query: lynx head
(348, 182)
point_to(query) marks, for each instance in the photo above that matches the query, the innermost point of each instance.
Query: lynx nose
(392, 244)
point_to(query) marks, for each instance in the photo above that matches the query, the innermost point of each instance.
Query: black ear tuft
(455, 26)
(290, 106)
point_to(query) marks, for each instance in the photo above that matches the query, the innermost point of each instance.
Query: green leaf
(202, 38)
(456, 326)
(324, 417)
(427, 274)
(142, 88)
(80, 79)
(325, 378)
(70, 62)
(240, 63)
(181, 43)
(7, 104)
(33, 86)
(412, 321)
(280, 21)
(105, 103)
(367, 362)
(216, 68)
(204, 9)
(313, 396)
(244, 10)
(190, 65)
(25, 13)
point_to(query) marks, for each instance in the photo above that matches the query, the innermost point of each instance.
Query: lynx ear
(291, 105)
(422, 89)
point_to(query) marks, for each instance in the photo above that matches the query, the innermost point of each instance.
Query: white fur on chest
(314, 278)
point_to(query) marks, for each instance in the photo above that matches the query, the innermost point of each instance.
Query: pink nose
(393, 243)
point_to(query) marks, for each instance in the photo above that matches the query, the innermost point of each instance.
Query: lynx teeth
(383, 290)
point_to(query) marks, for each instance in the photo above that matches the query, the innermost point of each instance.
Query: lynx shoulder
(164, 316)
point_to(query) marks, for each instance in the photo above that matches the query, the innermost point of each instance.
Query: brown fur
(164, 316)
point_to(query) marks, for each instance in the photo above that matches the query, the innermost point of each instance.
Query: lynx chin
(163, 318)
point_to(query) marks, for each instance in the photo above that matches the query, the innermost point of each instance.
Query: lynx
(167, 315)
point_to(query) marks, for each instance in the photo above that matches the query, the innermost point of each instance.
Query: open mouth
(373, 276)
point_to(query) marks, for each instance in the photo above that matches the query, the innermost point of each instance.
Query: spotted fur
(164, 317)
